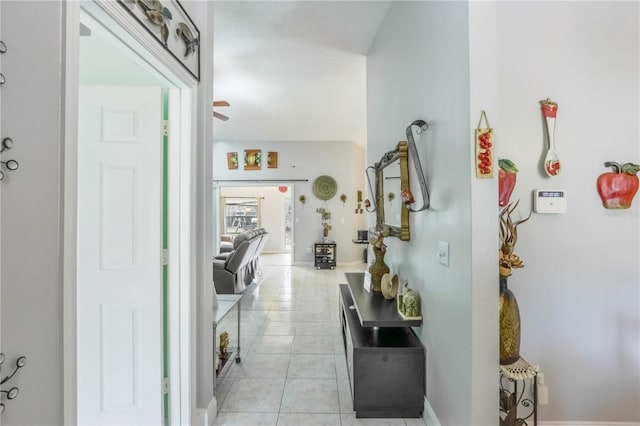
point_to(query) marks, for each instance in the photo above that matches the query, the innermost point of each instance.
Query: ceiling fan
(217, 114)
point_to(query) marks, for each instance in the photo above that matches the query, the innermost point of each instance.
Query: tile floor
(293, 369)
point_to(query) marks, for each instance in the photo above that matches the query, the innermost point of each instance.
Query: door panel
(119, 262)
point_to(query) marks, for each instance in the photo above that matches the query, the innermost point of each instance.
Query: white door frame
(180, 175)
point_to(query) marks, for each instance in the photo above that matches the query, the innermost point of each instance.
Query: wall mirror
(392, 178)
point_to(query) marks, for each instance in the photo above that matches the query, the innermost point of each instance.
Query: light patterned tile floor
(293, 369)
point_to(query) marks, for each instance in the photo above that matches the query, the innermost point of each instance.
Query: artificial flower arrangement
(508, 260)
(325, 215)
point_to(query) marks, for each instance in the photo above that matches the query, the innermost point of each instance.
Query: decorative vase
(509, 325)
(378, 269)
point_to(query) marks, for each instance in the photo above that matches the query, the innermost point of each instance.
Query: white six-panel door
(119, 256)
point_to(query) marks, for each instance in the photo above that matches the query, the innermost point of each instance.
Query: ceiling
(293, 70)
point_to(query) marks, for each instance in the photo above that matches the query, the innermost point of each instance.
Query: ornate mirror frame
(400, 156)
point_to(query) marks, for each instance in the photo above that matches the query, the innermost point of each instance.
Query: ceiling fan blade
(221, 104)
(220, 116)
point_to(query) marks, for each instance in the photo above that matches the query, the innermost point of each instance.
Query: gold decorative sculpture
(389, 286)
(224, 343)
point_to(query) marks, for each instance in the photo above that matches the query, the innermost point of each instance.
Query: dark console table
(385, 359)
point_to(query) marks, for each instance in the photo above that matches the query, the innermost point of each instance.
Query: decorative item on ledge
(617, 188)
(408, 304)
(12, 393)
(389, 286)
(509, 311)
(378, 268)
(325, 220)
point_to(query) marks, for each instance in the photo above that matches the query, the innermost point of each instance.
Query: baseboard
(575, 423)
(429, 415)
(212, 412)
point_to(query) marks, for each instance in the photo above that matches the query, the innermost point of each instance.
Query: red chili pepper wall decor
(484, 146)
(617, 188)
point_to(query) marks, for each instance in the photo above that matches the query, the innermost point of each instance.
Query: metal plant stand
(518, 389)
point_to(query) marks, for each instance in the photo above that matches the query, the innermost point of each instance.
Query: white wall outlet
(309, 250)
(443, 253)
(540, 377)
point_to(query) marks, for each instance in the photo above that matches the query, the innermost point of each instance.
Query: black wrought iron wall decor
(11, 393)
(3, 50)
(11, 165)
(413, 151)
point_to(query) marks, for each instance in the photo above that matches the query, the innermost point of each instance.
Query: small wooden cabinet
(324, 255)
(385, 360)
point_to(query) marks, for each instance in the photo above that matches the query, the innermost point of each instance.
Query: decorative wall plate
(325, 187)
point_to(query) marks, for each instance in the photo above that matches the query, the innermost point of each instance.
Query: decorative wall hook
(7, 143)
(11, 393)
(367, 204)
(413, 151)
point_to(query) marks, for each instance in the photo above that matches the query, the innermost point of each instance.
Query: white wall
(30, 214)
(419, 67)
(344, 161)
(579, 292)
(203, 295)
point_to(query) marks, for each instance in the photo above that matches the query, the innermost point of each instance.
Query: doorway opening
(127, 290)
(269, 207)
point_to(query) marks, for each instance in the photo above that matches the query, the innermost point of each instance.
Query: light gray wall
(344, 161)
(30, 213)
(579, 292)
(420, 67)
(203, 298)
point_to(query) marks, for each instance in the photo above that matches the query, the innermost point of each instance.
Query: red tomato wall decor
(617, 188)
(506, 180)
(484, 152)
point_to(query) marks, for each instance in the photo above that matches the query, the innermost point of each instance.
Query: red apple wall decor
(617, 188)
(506, 180)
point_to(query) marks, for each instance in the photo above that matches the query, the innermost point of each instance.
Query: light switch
(443, 253)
